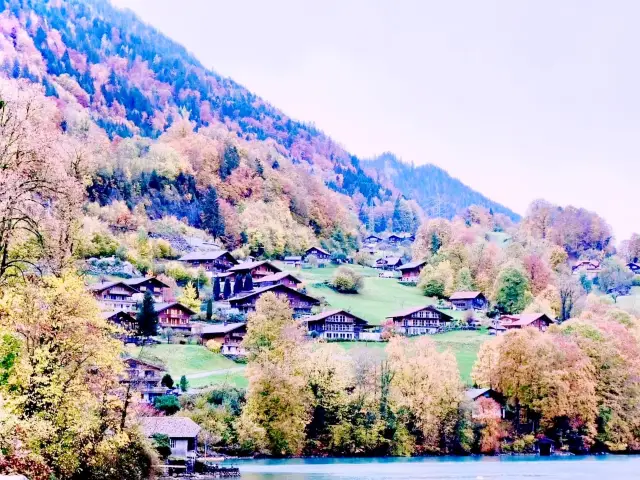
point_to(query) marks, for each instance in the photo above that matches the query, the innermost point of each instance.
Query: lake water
(473, 468)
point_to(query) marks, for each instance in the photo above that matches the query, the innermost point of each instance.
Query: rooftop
(173, 427)
(410, 310)
(241, 267)
(204, 255)
(275, 277)
(221, 327)
(328, 313)
(464, 295)
(159, 307)
(411, 265)
(473, 393)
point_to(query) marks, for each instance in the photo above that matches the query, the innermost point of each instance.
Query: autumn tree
(538, 272)
(614, 278)
(347, 280)
(569, 290)
(512, 292)
(189, 297)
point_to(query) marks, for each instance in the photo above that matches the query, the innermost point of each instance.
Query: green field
(630, 302)
(378, 298)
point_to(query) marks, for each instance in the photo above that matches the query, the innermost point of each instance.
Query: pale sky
(519, 99)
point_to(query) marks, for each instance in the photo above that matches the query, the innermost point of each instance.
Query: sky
(518, 99)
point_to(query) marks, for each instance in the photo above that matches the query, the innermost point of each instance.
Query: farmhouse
(634, 267)
(396, 238)
(182, 432)
(214, 261)
(468, 300)
(145, 378)
(115, 296)
(151, 284)
(389, 263)
(174, 315)
(319, 253)
(336, 324)
(536, 320)
(124, 320)
(420, 320)
(293, 260)
(300, 303)
(485, 403)
(411, 271)
(373, 239)
(229, 335)
(283, 278)
(256, 269)
(591, 268)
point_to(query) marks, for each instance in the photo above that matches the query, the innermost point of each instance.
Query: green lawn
(378, 298)
(235, 379)
(185, 359)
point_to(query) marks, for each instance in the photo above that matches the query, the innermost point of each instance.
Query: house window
(172, 443)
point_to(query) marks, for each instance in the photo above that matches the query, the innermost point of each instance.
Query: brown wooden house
(116, 296)
(535, 320)
(159, 289)
(389, 263)
(256, 269)
(216, 261)
(319, 253)
(145, 378)
(174, 315)
(301, 303)
(373, 239)
(420, 320)
(468, 301)
(634, 267)
(411, 271)
(397, 238)
(229, 335)
(284, 278)
(336, 324)
(591, 268)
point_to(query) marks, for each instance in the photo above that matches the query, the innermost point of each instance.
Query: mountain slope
(438, 193)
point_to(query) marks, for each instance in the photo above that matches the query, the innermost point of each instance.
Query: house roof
(412, 265)
(144, 362)
(591, 263)
(322, 315)
(496, 327)
(159, 307)
(390, 260)
(173, 427)
(321, 250)
(277, 276)
(102, 286)
(523, 319)
(292, 257)
(244, 266)
(109, 315)
(473, 393)
(410, 310)
(207, 255)
(465, 295)
(134, 282)
(279, 286)
(221, 328)
(633, 265)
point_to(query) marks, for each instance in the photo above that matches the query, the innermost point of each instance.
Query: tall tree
(189, 297)
(230, 160)
(212, 219)
(216, 289)
(209, 310)
(512, 292)
(248, 282)
(237, 285)
(147, 317)
(227, 288)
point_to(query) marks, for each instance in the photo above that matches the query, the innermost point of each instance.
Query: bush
(162, 445)
(179, 273)
(433, 287)
(169, 404)
(347, 280)
(214, 346)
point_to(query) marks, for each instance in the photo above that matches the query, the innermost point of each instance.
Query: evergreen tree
(248, 282)
(237, 285)
(212, 220)
(147, 317)
(275, 165)
(184, 383)
(436, 243)
(397, 216)
(230, 160)
(259, 168)
(216, 289)
(167, 381)
(210, 308)
(227, 288)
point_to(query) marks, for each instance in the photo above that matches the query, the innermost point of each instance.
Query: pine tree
(248, 282)
(212, 220)
(210, 308)
(435, 243)
(167, 381)
(230, 161)
(147, 317)
(237, 285)
(216, 289)
(227, 288)
(184, 383)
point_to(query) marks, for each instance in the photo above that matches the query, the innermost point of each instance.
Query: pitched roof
(279, 286)
(108, 315)
(410, 310)
(134, 282)
(523, 319)
(99, 287)
(275, 277)
(464, 295)
(412, 265)
(390, 260)
(207, 255)
(157, 366)
(473, 393)
(321, 250)
(159, 307)
(173, 427)
(241, 267)
(221, 327)
(328, 313)
(292, 257)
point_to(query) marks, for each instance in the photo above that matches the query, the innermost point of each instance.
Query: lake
(473, 468)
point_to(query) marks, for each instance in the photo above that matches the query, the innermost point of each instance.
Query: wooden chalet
(497, 329)
(336, 324)
(468, 301)
(158, 289)
(411, 271)
(256, 269)
(284, 278)
(319, 253)
(145, 378)
(634, 267)
(591, 268)
(174, 315)
(229, 335)
(301, 303)
(482, 409)
(541, 321)
(373, 239)
(181, 431)
(293, 260)
(389, 263)
(396, 238)
(420, 320)
(125, 320)
(215, 261)
(116, 296)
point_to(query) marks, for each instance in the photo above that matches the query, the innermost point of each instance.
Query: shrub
(167, 381)
(162, 445)
(636, 281)
(214, 346)
(347, 280)
(179, 273)
(433, 287)
(169, 404)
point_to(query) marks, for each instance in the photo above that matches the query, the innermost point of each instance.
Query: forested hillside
(437, 192)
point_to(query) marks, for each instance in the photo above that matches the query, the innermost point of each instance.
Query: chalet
(373, 239)
(483, 409)
(214, 261)
(318, 252)
(411, 271)
(145, 378)
(174, 315)
(420, 320)
(497, 329)
(634, 267)
(256, 269)
(293, 260)
(389, 263)
(124, 320)
(229, 335)
(182, 432)
(283, 278)
(396, 238)
(115, 296)
(151, 284)
(301, 303)
(336, 324)
(468, 301)
(536, 320)
(591, 268)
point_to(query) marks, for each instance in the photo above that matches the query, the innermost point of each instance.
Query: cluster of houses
(591, 268)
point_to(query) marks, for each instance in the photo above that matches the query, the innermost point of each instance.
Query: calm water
(473, 468)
